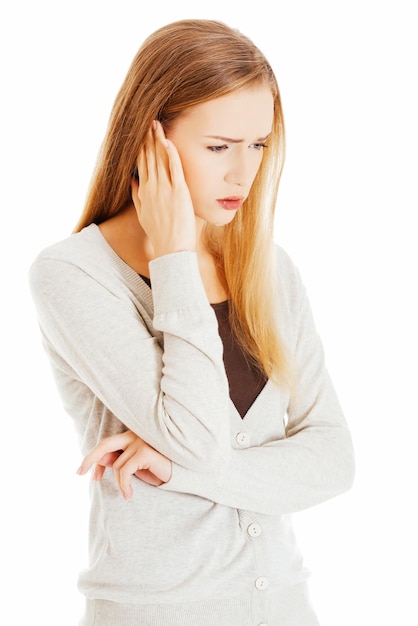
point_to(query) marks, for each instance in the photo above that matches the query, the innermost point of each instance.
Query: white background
(348, 76)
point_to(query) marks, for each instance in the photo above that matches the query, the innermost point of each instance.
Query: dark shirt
(244, 378)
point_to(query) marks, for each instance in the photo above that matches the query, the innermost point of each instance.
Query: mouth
(231, 203)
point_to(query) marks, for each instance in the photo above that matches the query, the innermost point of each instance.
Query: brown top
(245, 380)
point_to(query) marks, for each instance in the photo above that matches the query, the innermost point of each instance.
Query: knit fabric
(215, 545)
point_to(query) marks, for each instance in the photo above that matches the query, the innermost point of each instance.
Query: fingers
(135, 196)
(148, 156)
(148, 477)
(138, 459)
(152, 164)
(125, 467)
(127, 454)
(114, 443)
(106, 461)
(99, 471)
(159, 157)
(169, 155)
(175, 164)
(153, 159)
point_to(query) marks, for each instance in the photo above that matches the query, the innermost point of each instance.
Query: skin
(211, 152)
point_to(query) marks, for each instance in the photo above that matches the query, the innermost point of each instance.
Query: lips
(231, 203)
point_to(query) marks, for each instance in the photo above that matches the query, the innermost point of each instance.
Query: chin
(222, 220)
(216, 218)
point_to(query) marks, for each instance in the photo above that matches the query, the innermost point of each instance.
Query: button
(262, 583)
(243, 439)
(254, 530)
(263, 624)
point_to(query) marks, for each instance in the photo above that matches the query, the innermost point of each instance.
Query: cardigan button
(263, 624)
(243, 439)
(262, 583)
(254, 530)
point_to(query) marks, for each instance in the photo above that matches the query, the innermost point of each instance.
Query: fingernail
(154, 124)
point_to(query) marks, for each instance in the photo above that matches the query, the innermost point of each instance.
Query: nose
(239, 171)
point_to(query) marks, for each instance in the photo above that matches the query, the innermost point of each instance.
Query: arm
(174, 395)
(312, 463)
(170, 396)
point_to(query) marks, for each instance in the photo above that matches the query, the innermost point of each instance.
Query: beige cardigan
(214, 546)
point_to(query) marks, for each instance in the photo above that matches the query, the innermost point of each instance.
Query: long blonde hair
(180, 65)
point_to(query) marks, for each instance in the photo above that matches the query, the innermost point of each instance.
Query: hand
(128, 455)
(161, 198)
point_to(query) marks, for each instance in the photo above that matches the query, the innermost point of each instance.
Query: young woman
(183, 346)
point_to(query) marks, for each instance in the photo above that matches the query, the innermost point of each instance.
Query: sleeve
(311, 464)
(176, 397)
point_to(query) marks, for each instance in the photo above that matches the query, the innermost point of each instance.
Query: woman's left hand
(128, 455)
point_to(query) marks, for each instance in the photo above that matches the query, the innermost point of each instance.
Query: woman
(183, 347)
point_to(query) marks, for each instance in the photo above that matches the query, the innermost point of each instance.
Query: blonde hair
(180, 65)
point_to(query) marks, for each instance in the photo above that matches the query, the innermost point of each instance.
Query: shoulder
(76, 248)
(84, 269)
(86, 252)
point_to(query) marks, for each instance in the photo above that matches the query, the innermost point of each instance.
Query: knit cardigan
(214, 545)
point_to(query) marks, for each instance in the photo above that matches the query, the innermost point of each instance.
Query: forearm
(167, 384)
(281, 477)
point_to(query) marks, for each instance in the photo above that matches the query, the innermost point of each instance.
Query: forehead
(245, 113)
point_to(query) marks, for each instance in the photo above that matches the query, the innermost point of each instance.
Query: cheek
(256, 168)
(198, 172)
(194, 184)
(187, 161)
(191, 176)
(258, 163)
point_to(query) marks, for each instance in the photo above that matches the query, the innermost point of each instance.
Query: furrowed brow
(230, 140)
(226, 139)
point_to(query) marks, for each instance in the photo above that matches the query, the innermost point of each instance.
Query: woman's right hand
(161, 198)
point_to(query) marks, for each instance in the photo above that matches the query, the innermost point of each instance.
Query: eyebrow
(230, 140)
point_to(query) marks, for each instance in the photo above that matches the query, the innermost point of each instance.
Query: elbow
(209, 455)
(205, 451)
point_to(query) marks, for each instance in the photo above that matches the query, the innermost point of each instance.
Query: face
(221, 144)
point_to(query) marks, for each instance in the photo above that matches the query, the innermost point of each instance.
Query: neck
(130, 242)
(136, 238)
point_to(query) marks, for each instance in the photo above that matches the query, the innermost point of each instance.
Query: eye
(218, 148)
(259, 146)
